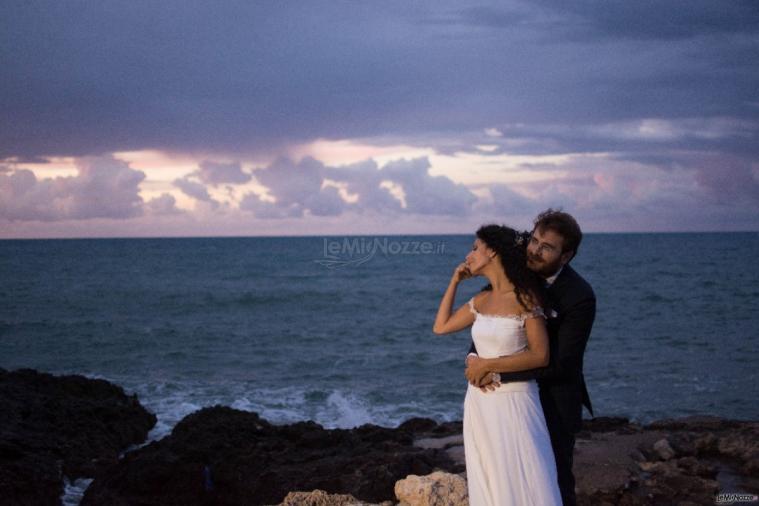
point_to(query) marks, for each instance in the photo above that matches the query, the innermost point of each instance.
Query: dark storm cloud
(643, 19)
(253, 77)
(652, 19)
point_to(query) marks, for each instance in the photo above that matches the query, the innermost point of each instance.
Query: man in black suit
(572, 308)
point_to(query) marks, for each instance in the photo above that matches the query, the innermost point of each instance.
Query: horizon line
(312, 236)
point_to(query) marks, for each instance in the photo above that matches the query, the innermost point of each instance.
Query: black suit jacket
(562, 384)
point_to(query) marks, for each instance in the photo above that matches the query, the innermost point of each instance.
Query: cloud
(664, 91)
(365, 181)
(296, 189)
(401, 186)
(506, 201)
(163, 205)
(219, 173)
(269, 210)
(103, 188)
(427, 194)
(195, 190)
(661, 20)
(605, 191)
(285, 79)
(730, 180)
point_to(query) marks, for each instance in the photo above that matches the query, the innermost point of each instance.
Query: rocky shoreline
(73, 427)
(56, 426)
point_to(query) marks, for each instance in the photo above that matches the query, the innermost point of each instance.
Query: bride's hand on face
(461, 273)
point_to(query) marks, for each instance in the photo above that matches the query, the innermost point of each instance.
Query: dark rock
(449, 428)
(695, 423)
(637, 455)
(683, 443)
(221, 455)
(751, 467)
(605, 423)
(418, 425)
(680, 462)
(56, 426)
(693, 466)
(664, 449)
(705, 444)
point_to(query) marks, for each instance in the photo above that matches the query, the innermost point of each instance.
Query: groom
(555, 239)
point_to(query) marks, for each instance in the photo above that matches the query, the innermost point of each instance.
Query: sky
(207, 118)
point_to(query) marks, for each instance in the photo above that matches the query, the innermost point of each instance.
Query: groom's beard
(541, 267)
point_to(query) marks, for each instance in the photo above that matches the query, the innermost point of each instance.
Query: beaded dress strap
(537, 312)
(471, 306)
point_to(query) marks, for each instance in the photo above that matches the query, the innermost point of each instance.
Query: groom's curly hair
(511, 247)
(563, 224)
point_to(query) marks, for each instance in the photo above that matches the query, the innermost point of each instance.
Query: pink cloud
(103, 188)
(300, 188)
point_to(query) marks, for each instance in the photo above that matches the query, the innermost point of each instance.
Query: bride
(509, 459)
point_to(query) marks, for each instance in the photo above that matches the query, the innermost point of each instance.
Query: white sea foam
(336, 408)
(74, 491)
(345, 411)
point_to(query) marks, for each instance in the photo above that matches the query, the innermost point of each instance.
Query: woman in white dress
(509, 459)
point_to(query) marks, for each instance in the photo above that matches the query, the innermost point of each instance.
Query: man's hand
(476, 370)
(489, 384)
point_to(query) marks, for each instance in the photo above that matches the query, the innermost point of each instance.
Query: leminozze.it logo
(358, 250)
(734, 498)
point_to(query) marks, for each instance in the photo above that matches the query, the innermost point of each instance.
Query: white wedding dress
(509, 460)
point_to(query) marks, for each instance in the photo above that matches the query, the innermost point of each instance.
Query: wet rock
(663, 449)
(436, 489)
(56, 426)
(221, 455)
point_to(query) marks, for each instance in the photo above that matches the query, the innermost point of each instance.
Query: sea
(339, 329)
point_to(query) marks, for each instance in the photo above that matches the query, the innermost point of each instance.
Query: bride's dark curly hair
(511, 247)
